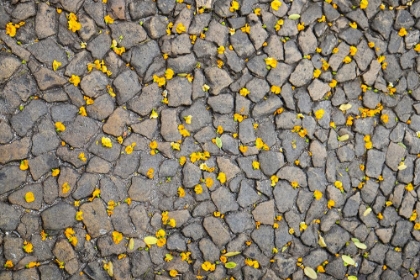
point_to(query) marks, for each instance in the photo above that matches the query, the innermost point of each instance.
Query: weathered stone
(64, 252)
(217, 232)
(59, 216)
(218, 79)
(95, 218)
(302, 74)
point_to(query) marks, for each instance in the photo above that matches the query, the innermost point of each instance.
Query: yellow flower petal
(60, 127)
(56, 64)
(106, 142)
(29, 197)
(108, 19)
(275, 5)
(24, 165)
(75, 80)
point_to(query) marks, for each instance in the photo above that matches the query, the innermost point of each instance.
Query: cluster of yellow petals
(65, 187)
(244, 92)
(319, 114)
(56, 64)
(117, 237)
(74, 25)
(221, 177)
(95, 193)
(196, 156)
(198, 189)
(28, 247)
(181, 191)
(71, 236)
(271, 62)
(317, 194)
(275, 5)
(99, 65)
(368, 142)
(301, 131)
(208, 266)
(364, 4)
(238, 117)
(130, 148)
(82, 157)
(60, 127)
(339, 185)
(183, 131)
(75, 80)
(180, 28)
(234, 6)
(253, 263)
(294, 184)
(108, 19)
(150, 173)
(11, 28)
(106, 142)
(274, 179)
(259, 143)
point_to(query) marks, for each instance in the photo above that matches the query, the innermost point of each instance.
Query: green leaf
(343, 137)
(401, 145)
(219, 142)
(310, 272)
(348, 260)
(294, 16)
(150, 240)
(359, 244)
(352, 277)
(231, 254)
(230, 265)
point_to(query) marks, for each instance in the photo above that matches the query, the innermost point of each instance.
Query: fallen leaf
(310, 272)
(294, 16)
(231, 254)
(345, 107)
(150, 240)
(348, 260)
(219, 142)
(230, 265)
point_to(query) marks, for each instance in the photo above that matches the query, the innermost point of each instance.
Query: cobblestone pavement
(224, 139)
